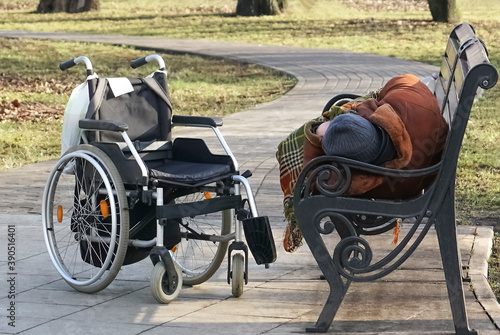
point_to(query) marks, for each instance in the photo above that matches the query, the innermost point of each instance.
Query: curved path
(320, 72)
(281, 300)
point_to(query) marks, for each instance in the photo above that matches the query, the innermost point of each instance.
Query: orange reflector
(59, 213)
(104, 208)
(174, 249)
(207, 195)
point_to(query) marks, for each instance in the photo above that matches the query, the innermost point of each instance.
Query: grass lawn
(398, 28)
(402, 30)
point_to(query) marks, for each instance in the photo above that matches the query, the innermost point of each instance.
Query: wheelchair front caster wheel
(238, 275)
(164, 287)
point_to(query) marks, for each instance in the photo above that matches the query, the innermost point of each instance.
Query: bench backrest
(465, 71)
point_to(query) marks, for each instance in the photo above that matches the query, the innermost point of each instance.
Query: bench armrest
(365, 167)
(196, 121)
(88, 124)
(317, 173)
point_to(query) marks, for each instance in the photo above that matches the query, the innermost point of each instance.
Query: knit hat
(352, 136)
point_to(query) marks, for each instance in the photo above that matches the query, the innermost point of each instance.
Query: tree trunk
(68, 6)
(444, 10)
(260, 7)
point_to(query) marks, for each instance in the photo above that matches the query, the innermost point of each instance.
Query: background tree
(444, 10)
(69, 6)
(260, 7)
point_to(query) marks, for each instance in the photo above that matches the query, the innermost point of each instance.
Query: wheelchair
(129, 191)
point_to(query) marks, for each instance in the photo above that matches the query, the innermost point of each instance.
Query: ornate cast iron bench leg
(338, 287)
(338, 290)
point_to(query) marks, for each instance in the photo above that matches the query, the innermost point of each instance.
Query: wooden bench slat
(451, 51)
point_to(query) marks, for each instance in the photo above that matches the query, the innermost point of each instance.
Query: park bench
(321, 208)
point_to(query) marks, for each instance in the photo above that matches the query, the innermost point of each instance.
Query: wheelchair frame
(89, 227)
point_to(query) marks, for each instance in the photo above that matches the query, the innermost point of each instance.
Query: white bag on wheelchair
(75, 111)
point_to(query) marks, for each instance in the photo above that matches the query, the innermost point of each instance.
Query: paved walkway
(281, 300)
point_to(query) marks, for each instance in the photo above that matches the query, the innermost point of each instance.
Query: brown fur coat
(408, 111)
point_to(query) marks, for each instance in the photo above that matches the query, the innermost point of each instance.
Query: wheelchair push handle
(144, 60)
(73, 62)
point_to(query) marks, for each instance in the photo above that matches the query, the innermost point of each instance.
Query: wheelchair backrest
(142, 103)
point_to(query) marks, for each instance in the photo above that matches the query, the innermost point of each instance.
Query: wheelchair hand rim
(48, 226)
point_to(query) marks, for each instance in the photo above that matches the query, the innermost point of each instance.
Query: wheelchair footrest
(260, 239)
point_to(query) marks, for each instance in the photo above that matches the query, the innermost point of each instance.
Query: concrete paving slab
(64, 327)
(247, 326)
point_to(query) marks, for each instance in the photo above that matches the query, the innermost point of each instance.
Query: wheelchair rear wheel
(199, 258)
(85, 219)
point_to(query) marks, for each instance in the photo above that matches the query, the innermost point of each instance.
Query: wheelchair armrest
(88, 124)
(196, 121)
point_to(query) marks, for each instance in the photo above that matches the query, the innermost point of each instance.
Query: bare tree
(260, 7)
(444, 10)
(69, 6)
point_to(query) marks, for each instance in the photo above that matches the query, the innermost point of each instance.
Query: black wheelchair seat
(191, 163)
(188, 172)
(188, 161)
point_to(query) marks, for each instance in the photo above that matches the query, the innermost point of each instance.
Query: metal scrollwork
(323, 227)
(326, 222)
(352, 255)
(330, 179)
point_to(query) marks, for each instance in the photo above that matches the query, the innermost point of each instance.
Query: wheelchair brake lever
(242, 214)
(247, 174)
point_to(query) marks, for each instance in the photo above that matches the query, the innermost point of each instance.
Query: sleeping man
(399, 127)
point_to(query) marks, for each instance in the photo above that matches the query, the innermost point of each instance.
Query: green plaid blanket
(290, 156)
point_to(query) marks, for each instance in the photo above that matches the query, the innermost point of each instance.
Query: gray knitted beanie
(354, 137)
